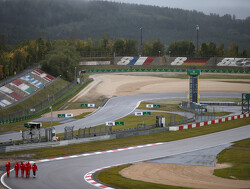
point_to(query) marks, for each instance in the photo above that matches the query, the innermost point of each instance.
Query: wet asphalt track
(69, 173)
(116, 108)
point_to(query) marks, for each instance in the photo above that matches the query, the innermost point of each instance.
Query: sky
(239, 8)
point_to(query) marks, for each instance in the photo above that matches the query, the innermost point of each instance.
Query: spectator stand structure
(136, 61)
(23, 87)
(189, 61)
(244, 62)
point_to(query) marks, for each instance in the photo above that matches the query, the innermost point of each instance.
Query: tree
(233, 50)
(157, 48)
(182, 48)
(119, 47)
(62, 60)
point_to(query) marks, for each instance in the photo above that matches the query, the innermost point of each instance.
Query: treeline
(62, 56)
(62, 19)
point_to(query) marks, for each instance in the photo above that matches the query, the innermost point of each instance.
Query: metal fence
(200, 111)
(172, 123)
(37, 135)
(100, 131)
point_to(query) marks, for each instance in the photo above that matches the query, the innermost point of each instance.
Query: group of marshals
(24, 167)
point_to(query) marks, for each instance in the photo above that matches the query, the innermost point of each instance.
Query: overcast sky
(240, 8)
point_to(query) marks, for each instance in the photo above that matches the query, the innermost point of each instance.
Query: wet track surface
(116, 108)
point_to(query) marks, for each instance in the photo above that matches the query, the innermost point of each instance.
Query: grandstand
(189, 61)
(23, 86)
(235, 62)
(136, 61)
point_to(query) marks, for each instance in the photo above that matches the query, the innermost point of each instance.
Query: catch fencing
(101, 131)
(199, 110)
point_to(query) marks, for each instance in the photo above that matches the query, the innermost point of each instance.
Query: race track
(69, 173)
(118, 107)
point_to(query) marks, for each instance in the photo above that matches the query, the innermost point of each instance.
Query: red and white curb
(87, 154)
(88, 177)
(220, 120)
(95, 153)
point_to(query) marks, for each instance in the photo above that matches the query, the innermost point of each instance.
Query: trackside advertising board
(142, 113)
(88, 105)
(64, 115)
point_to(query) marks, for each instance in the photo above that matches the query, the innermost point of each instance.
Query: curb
(200, 124)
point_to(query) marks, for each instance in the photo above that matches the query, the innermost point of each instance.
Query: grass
(131, 121)
(172, 104)
(124, 142)
(221, 114)
(17, 126)
(112, 177)
(239, 157)
(83, 115)
(173, 107)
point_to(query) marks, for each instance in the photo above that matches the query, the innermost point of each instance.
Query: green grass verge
(239, 158)
(173, 107)
(83, 115)
(221, 114)
(112, 177)
(131, 121)
(124, 142)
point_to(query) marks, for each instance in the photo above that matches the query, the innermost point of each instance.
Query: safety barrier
(200, 124)
(162, 70)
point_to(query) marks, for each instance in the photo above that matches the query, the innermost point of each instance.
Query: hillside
(30, 19)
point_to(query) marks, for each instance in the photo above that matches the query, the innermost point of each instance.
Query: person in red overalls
(8, 169)
(34, 168)
(27, 168)
(22, 167)
(17, 168)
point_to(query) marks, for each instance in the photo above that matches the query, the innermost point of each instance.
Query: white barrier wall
(94, 63)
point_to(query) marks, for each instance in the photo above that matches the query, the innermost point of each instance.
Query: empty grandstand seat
(178, 61)
(4, 102)
(234, 62)
(141, 60)
(32, 81)
(6, 90)
(133, 61)
(16, 96)
(195, 61)
(124, 61)
(149, 61)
